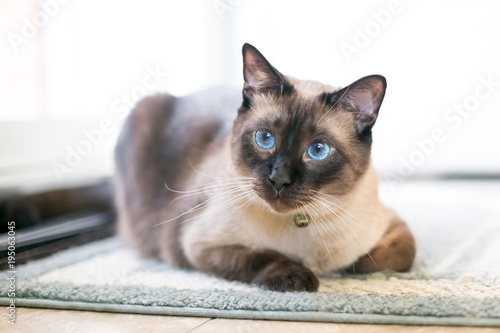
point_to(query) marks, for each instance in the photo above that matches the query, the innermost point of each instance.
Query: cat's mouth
(282, 201)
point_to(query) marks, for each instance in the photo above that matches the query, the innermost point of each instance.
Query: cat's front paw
(286, 276)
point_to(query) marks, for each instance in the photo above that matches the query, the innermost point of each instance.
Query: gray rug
(455, 280)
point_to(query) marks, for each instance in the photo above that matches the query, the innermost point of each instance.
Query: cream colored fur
(334, 240)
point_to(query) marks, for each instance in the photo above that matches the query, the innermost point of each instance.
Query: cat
(272, 189)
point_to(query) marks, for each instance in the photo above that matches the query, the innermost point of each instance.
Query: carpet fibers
(455, 280)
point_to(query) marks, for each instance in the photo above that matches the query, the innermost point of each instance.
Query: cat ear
(260, 76)
(363, 98)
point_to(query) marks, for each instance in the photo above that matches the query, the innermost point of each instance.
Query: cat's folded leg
(268, 269)
(395, 251)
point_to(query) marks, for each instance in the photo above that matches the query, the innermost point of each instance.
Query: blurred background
(71, 70)
(65, 66)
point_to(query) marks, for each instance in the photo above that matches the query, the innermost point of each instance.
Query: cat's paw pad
(287, 276)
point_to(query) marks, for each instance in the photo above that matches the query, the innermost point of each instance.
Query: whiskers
(334, 220)
(314, 222)
(216, 197)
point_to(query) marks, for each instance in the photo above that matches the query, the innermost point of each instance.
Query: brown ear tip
(380, 78)
(247, 46)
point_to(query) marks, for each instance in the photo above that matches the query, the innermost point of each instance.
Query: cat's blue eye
(264, 139)
(318, 151)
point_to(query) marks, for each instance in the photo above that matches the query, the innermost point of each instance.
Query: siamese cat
(272, 189)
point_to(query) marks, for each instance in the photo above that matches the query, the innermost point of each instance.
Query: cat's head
(300, 138)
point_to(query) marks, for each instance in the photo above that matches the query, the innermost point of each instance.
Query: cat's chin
(280, 206)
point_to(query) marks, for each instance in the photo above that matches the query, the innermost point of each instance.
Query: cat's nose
(280, 178)
(279, 183)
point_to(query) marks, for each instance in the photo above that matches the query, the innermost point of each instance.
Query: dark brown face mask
(294, 143)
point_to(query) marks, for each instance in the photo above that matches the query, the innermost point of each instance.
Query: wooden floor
(40, 320)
